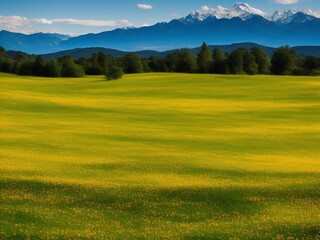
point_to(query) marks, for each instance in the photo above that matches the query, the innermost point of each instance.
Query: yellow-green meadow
(160, 156)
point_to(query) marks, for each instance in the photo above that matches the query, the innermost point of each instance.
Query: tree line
(284, 61)
(24, 64)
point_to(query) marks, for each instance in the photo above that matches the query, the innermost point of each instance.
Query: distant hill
(308, 50)
(87, 52)
(35, 43)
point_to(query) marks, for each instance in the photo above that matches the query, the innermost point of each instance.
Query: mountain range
(216, 26)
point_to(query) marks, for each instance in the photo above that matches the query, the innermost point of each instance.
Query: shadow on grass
(224, 201)
(177, 205)
(294, 232)
(198, 171)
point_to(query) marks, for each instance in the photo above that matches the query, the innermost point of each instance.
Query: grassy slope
(160, 156)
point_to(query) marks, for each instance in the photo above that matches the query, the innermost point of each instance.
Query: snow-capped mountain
(241, 10)
(244, 11)
(287, 16)
(310, 12)
(282, 16)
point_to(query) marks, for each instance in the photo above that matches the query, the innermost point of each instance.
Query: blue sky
(76, 17)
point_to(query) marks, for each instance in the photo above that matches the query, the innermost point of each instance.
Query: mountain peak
(242, 10)
(283, 16)
(241, 7)
(287, 16)
(312, 13)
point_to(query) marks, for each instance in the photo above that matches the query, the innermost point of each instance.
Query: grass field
(160, 156)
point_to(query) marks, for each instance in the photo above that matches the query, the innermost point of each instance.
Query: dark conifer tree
(52, 69)
(187, 62)
(132, 63)
(250, 65)
(204, 59)
(235, 62)
(70, 69)
(284, 61)
(218, 61)
(38, 66)
(261, 59)
(172, 61)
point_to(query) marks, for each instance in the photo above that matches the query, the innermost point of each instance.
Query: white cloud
(16, 24)
(144, 6)
(90, 23)
(42, 21)
(27, 26)
(286, 1)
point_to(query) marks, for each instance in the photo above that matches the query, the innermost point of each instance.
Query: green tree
(86, 64)
(99, 64)
(52, 69)
(25, 67)
(172, 61)
(236, 62)
(8, 65)
(311, 65)
(70, 69)
(261, 59)
(204, 59)
(20, 56)
(2, 56)
(145, 66)
(284, 61)
(21, 60)
(114, 72)
(187, 62)
(38, 65)
(132, 63)
(249, 63)
(103, 61)
(218, 61)
(158, 64)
